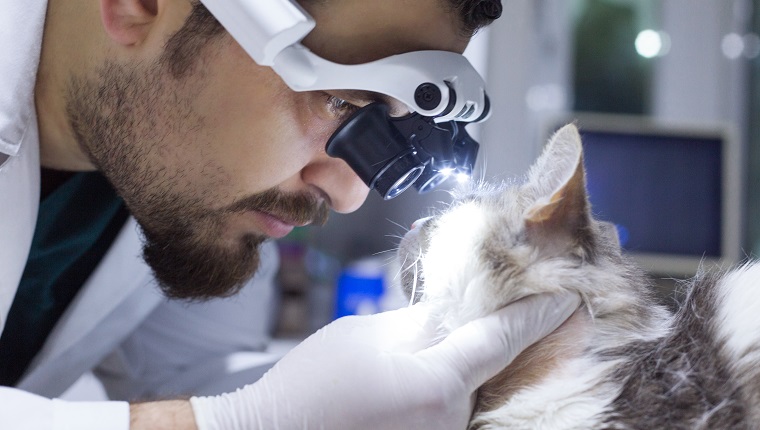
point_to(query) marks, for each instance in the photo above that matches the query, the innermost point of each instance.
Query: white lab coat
(139, 344)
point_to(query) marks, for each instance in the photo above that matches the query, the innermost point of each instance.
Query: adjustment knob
(427, 96)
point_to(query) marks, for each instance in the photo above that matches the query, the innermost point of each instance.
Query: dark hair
(181, 50)
(475, 14)
(201, 26)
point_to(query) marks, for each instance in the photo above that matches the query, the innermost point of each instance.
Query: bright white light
(450, 250)
(732, 45)
(649, 43)
(446, 171)
(462, 178)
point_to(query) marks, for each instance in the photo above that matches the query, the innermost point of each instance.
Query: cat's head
(495, 245)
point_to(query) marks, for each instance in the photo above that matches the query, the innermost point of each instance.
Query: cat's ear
(558, 184)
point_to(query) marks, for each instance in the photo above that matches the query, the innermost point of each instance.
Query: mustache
(296, 208)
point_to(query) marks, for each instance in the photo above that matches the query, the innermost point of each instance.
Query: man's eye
(339, 107)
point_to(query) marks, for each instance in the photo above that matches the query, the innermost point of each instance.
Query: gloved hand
(378, 372)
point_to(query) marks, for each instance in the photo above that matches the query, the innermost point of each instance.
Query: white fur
(738, 311)
(452, 272)
(570, 398)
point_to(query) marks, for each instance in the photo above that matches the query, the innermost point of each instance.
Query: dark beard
(186, 269)
(120, 118)
(189, 269)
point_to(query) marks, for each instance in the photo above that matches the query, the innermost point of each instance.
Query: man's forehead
(359, 31)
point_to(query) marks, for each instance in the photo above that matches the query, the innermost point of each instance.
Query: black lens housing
(391, 154)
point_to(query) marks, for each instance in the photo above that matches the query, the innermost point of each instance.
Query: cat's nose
(419, 222)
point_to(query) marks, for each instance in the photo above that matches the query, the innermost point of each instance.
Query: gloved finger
(406, 330)
(480, 349)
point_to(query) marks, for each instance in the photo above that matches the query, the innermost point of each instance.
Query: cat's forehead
(506, 197)
(485, 208)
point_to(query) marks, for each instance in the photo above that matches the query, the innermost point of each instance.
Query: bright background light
(735, 45)
(651, 43)
(732, 46)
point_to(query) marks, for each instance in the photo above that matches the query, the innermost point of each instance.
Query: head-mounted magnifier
(441, 89)
(391, 154)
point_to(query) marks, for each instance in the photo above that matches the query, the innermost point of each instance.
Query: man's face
(214, 154)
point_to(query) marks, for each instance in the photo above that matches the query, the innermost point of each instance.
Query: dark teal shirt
(75, 227)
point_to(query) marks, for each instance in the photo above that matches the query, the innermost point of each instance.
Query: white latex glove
(376, 372)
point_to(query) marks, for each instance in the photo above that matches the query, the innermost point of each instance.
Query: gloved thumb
(480, 349)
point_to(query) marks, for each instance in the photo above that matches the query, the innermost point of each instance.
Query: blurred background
(681, 69)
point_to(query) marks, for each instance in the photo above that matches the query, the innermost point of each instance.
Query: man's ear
(127, 22)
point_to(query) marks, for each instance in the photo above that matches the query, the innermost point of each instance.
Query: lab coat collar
(21, 27)
(114, 300)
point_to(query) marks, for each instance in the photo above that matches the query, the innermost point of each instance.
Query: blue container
(360, 289)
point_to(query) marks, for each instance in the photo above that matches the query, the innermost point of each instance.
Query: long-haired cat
(622, 361)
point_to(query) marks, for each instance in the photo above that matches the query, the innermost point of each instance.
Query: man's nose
(338, 181)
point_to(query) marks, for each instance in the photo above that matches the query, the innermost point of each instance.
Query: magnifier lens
(377, 151)
(392, 154)
(404, 183)
(431, 178)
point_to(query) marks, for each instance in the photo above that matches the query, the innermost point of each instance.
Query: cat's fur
(622, 361)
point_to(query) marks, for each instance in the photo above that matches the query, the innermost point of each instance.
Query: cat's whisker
(413, 265)
(389, 254)
(397, 224)
(483, 167)
(401, 269)
(414, 285)
(413, 295)
(452, 194)
(389, 260)
(394, 236)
